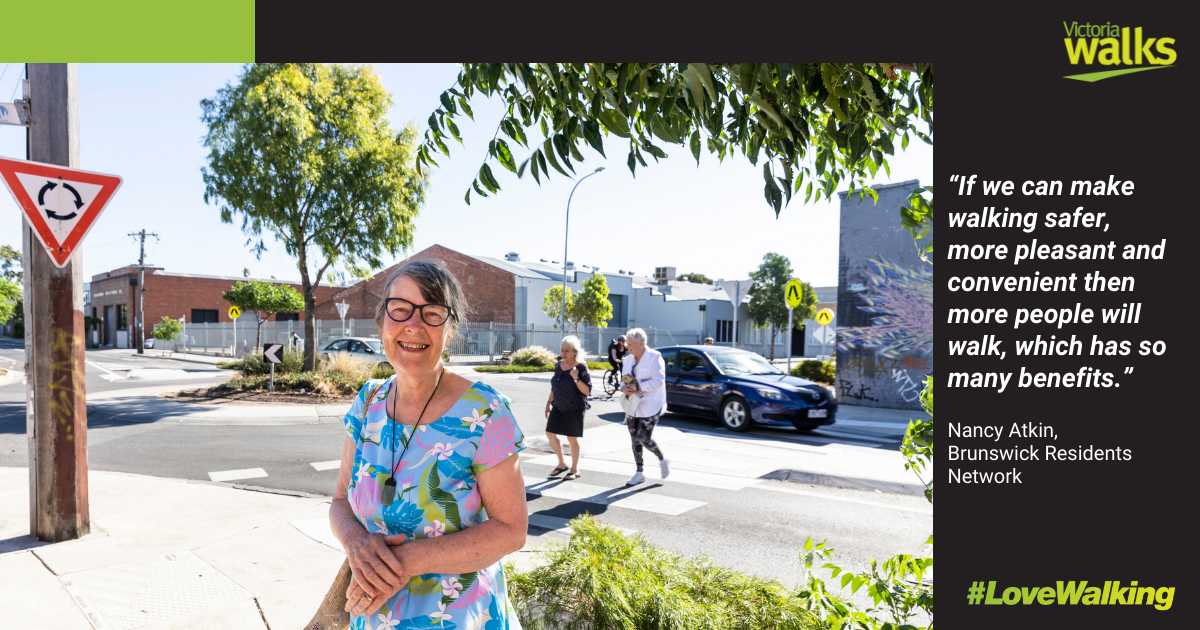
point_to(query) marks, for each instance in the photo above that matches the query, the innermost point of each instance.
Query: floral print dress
(436, 494)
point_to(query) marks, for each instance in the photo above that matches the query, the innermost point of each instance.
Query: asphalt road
(759, 528)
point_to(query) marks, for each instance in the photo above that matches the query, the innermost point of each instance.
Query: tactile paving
(318, 530)
(135, 594)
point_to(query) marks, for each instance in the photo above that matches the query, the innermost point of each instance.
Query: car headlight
(771, 394)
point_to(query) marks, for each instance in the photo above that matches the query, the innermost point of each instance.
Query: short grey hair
(637, 333)
(576, 345)
(437, 285)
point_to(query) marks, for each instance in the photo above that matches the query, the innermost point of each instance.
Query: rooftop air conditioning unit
(664, 274)
(570, 266)
(512, 257)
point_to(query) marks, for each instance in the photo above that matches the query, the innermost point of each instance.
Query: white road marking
(818, 495)
(626, 497)
(330, 465)
(230, 475)
(706, 480)
(854, 436)
(114, 375)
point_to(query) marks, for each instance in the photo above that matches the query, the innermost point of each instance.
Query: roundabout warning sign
(61, 204)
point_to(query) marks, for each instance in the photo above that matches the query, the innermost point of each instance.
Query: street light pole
(563, 317)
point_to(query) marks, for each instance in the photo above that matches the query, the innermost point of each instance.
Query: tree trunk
(258, 337)
(310, 305)
(772, 343)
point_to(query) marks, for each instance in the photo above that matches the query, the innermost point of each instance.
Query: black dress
(566, 412)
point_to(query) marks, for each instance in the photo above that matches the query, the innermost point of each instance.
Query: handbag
(332, 615)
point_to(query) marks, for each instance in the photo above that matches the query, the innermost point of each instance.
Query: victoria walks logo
(1111, 45)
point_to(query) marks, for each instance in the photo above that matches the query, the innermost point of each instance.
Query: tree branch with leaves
(814, 125)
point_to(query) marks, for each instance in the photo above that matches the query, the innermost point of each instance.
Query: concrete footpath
(171, 554)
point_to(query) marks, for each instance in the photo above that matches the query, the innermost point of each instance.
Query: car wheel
(383, 365)
(735, 415)
(324, 358)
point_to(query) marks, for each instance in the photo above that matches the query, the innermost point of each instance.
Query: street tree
(264, 299)
(166, 330)
(552, 305)
(10, 298)
(305, 153)
(591, 305)
(814, 125)
(10, 264)
(698, 278)
(768, 304)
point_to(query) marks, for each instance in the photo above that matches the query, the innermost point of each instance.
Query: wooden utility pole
(56, 413)
(140, 341)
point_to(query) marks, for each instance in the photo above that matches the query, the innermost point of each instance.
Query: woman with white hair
(569, 389)
(645, 373)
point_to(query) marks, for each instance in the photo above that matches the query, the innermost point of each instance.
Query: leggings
(640, 430)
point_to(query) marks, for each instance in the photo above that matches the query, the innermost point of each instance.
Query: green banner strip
(1096, 76)
(145, 31)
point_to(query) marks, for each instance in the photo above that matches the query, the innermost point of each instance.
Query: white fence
(475, 342)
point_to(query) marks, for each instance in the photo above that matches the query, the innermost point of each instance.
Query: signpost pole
(789, 340)
(737, 301)
(272, 377)
(56, 413)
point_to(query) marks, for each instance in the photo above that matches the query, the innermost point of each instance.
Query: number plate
(818, 413)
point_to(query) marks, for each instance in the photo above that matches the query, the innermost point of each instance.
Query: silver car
(360, 347)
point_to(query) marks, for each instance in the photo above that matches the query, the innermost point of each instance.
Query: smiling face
(412, 346)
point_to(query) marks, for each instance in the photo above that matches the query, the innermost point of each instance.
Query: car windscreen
(743, 363)
(376, 345)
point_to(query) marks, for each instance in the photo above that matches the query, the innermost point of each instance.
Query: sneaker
(666, 467)
(637, 478)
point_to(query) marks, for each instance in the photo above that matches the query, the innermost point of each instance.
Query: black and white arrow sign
(271, 352)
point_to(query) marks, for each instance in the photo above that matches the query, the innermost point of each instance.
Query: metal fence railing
(475, 343)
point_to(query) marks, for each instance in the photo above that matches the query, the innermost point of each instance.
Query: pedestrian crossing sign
(794, 293)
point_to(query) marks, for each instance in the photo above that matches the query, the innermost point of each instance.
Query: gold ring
(367, 597)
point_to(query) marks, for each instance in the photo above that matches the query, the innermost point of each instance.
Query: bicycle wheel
(610, 382)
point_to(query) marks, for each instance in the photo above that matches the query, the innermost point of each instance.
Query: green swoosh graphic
(1096, 76)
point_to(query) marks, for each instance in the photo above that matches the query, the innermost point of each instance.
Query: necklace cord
(396, 420)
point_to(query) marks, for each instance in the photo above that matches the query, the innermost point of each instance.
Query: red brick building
(490, 290)
(194, 297)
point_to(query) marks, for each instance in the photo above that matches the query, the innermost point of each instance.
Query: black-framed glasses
(401, 310)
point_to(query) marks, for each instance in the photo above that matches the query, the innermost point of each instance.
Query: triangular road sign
(61, 203)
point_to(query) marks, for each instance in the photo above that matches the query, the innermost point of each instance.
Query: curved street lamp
(563, 315)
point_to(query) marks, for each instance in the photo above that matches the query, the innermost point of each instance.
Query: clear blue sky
(142, 122)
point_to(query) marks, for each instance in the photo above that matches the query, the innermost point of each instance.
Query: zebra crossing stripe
(231, 475)
(330, 465)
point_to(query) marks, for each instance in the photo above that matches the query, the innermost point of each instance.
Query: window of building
(122, 316)
(287, 317)
(204, 316)
(725, 331)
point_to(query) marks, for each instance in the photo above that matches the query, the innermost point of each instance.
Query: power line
(18, 85)
(4, 72)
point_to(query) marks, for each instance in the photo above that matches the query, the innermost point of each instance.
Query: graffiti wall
(885, 305)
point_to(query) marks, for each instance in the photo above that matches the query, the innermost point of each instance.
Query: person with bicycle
(616, 352)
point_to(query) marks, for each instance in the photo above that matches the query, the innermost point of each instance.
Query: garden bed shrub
(816, 371)
(604, 580)
(533, 355)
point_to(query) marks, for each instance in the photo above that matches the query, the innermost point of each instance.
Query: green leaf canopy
(827, 123)
(305, 152)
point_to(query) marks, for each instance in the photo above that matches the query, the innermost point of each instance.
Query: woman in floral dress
(430, 495)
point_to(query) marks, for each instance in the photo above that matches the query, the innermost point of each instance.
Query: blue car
(742, 388)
